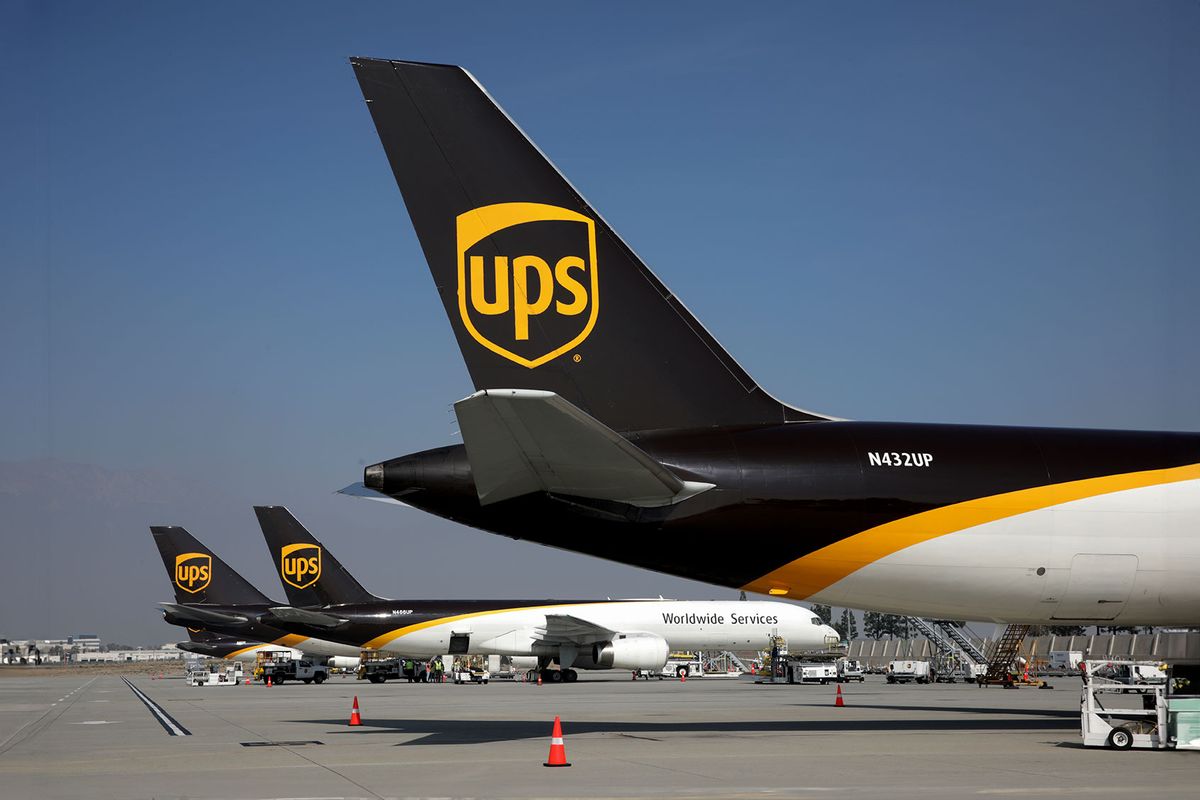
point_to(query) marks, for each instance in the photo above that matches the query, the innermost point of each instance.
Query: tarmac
(85, 735)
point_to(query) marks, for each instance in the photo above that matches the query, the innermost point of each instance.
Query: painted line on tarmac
(13, 739)
(168, 722)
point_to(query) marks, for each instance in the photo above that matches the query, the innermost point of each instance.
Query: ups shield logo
(193, 571)
(527, 279)
(300, 564)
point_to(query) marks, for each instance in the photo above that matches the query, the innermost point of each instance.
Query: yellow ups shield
(300, 564)
(193, 571)
(528, 288)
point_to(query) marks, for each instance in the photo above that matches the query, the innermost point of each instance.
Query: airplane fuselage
(428, 628)
(967, 522)
(257, 635)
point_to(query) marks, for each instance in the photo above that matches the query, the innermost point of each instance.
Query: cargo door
(1098, 586)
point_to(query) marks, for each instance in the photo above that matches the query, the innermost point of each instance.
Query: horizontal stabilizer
(360, 491)
(204, 616)
(300, 616)
(521, 441)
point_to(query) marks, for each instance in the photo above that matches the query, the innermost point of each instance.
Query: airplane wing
(203, 615)
(564, 629)
(521, 441)
(300, 616)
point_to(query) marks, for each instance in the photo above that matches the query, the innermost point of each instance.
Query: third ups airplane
(606, 420)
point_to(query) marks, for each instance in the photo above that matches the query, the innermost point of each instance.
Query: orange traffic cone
(558, 750)
(355, 719)
(839, 702)
(683, 676)
(269, 684)
(539, 678)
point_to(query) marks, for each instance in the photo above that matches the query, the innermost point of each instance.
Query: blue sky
(962, 212)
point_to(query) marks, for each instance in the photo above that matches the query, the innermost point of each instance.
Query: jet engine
(343, 662)
(631, 651)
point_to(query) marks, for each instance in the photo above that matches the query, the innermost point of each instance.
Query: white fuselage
(684, 625)
(1127, 557)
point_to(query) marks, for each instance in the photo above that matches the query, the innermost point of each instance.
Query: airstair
(737, 662)
(955, 633)
(948, 639)
(1006, 650)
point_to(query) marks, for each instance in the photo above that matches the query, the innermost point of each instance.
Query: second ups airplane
(607, 420)
(328, 603)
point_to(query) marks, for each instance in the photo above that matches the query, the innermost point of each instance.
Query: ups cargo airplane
(213, 600)
(326, 601)
(331, 614)
(607, 420)
(215, 645)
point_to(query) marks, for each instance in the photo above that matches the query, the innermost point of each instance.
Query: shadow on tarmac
(487, 731)
(979, 710)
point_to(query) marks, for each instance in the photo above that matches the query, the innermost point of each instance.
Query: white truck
(850, 670)
(278, 666)
(1064, 661)
(821, 672)
(906, 671)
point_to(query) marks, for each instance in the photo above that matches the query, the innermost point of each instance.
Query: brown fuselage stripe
(818, 570)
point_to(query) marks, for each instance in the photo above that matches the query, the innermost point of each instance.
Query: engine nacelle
(342, 662)
(631, 651)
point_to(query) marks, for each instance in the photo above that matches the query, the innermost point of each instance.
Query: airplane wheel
(1120, 739)
(556, 675)
(570, 676)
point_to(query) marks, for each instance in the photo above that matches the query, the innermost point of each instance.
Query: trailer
(215, 674)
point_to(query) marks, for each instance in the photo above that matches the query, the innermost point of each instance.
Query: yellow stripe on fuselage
(291, 640)
(818, 570)
(385, 639)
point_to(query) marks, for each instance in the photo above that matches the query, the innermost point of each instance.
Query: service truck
(821, 672)
(280, 667)
(1064, 661)
(850, 670)
(906, 671)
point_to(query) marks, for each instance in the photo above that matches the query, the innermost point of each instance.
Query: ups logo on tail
(193, 571)
(527, 279)
(300, 564)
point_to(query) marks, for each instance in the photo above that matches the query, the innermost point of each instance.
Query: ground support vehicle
(215, 674)
(682, 665)
(821, 672)
(1063, 662)
(909, 671)
(471, 669)
(280, 667)
(379, 667)
(1122, 716)
(1129, 673)
(850, 670)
